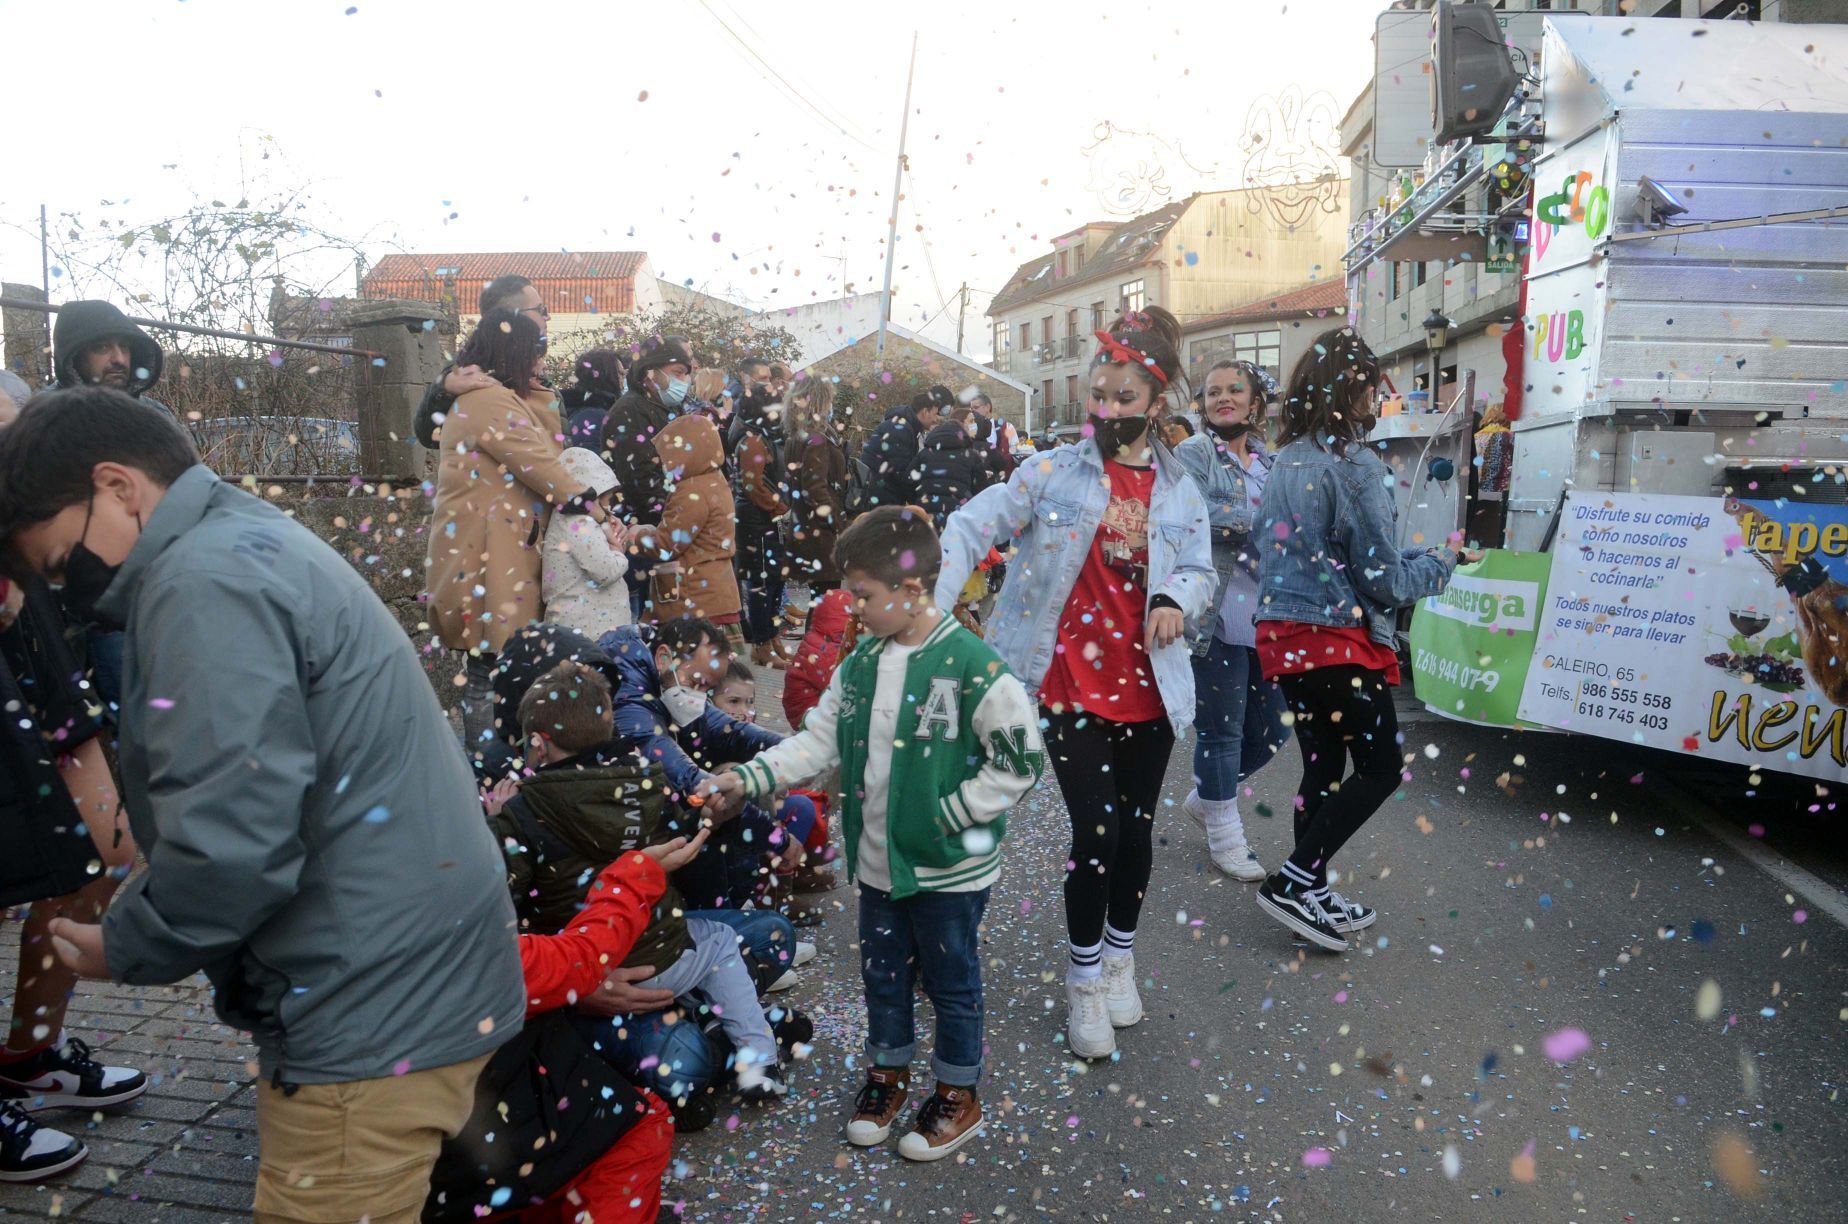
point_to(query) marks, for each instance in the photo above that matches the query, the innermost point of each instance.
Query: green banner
(1471, 646)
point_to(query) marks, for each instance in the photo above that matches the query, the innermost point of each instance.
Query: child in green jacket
(935, 740)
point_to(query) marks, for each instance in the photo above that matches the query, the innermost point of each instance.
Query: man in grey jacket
(315, 842)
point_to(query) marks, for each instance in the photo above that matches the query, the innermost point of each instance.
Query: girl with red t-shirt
(1114, 558)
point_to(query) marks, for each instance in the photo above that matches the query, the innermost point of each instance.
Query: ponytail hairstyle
(1150, 341)
(1326, 390)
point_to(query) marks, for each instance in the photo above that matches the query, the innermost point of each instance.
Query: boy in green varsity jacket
(935, 739)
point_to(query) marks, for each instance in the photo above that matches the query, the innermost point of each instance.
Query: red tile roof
(1319, 298)
(571, 282)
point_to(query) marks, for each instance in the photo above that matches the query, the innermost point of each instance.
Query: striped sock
(1087, 963)
(1118, 943)
(1297, 876)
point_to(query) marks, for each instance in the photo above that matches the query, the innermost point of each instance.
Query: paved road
(1272, 1082)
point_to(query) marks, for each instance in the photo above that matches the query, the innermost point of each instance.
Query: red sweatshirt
(623, 1186)
(561, 969)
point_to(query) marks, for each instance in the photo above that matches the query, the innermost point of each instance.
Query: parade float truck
(1676, 572)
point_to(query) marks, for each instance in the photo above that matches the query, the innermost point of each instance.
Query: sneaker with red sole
(64, 1074)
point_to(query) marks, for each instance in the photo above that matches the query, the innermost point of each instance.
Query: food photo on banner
(1472, 645)
(1717, 627)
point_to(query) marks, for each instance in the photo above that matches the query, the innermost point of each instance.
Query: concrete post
(408, 334)
(28, 336)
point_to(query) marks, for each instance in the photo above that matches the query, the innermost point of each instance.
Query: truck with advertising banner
(1677, 514)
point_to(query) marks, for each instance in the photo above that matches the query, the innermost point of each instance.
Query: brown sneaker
(949, 1118)
(877, 1105)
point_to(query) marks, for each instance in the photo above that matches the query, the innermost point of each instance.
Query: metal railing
(291, 412)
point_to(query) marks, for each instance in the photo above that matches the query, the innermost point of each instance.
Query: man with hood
(659, 382)
(891, 453)
(95, 345)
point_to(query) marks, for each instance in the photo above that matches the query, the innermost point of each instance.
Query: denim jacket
(1221, 479)
(1050, 510)
(1326, 550)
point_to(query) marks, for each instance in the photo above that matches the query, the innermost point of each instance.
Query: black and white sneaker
(65, 1074)
(29, 1152)
(1348, 916)
(1285, 901)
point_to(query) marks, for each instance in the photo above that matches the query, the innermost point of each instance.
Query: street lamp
(1437, 333)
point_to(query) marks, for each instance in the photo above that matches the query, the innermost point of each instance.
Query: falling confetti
(1566, 1045)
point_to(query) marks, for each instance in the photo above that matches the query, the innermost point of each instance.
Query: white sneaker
(1120, 998)
(1087, 1030)
(805, 952)
(787, 981)
(1225, 837)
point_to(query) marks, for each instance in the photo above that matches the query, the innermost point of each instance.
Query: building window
(1421, 272)
(1026, 337)
(1001, 337)
(1071, 393)
(1071, 322)
(1132, 296)
(1097, 316)
(1260, 348)
(1046, 397)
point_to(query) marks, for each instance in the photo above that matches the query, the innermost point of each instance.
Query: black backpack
(859, 487)
(546, 1106)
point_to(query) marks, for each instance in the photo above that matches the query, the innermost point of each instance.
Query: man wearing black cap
(95, 345)
(659, 383)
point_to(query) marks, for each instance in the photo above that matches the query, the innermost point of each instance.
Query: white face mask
(684, 704)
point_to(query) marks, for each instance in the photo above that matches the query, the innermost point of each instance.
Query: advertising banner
(1471, 646)
(1712, 627)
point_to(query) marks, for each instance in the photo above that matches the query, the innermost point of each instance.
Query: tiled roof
(1319, 298)
(1131, 244)
(571, 282)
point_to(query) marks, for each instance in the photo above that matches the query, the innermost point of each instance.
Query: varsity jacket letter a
(940, 707)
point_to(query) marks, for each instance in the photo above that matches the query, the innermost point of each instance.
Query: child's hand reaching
(678, 853)
(495, 800)
(727, 790)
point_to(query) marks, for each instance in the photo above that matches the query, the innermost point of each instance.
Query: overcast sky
(527, 122)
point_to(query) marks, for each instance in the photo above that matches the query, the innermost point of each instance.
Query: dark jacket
(953, 466)
(757, 471)
(891, 455)
(585, 411)
(628, 447)
(569, 821)
(81, 324)
(642, 722)
(816, 477)
(47, 851)
(314, 839)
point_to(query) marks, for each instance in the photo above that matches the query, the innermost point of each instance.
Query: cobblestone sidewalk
(186, 1152)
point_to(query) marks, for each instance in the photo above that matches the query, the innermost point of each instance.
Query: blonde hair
(807, 405)
(709, 384)
(1494, 414)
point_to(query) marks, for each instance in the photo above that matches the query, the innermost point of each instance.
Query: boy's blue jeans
(933, 936)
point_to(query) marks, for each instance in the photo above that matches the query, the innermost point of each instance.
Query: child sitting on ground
(574, 815)
(936, 740)
(803, 813)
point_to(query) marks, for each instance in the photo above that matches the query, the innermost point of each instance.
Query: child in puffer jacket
(831, 634)
(582, 572)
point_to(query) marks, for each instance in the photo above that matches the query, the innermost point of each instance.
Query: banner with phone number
(1472, 645)
(1716, 627)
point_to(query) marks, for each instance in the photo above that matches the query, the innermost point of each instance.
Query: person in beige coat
(499, 479)
(697, 535)
(817, 480)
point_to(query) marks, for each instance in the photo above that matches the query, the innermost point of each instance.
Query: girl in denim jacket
(1330, 577)
(1114, 561)
(1238, 714)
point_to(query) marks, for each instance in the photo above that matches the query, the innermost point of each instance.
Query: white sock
(1087, 964)
(1225, 831)
(1118, 943)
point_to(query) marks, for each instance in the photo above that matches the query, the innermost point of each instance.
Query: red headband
(1118, 353)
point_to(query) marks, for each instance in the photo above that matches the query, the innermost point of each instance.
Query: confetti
(1566, 1044)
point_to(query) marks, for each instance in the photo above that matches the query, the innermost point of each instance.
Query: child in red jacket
(624, 1184)
(827, 639)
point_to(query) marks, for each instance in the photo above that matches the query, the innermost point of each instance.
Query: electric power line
(797, 94)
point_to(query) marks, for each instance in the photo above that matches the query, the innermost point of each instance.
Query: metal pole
(191, 330)
(962, 309)
(898, 181)
(50, 373)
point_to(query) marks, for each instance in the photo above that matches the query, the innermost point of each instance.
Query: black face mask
(1231, 433)
(1114, 434)
(87, 576)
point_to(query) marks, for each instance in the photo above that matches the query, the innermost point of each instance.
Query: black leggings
(1340, 711)
(1110, 774)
